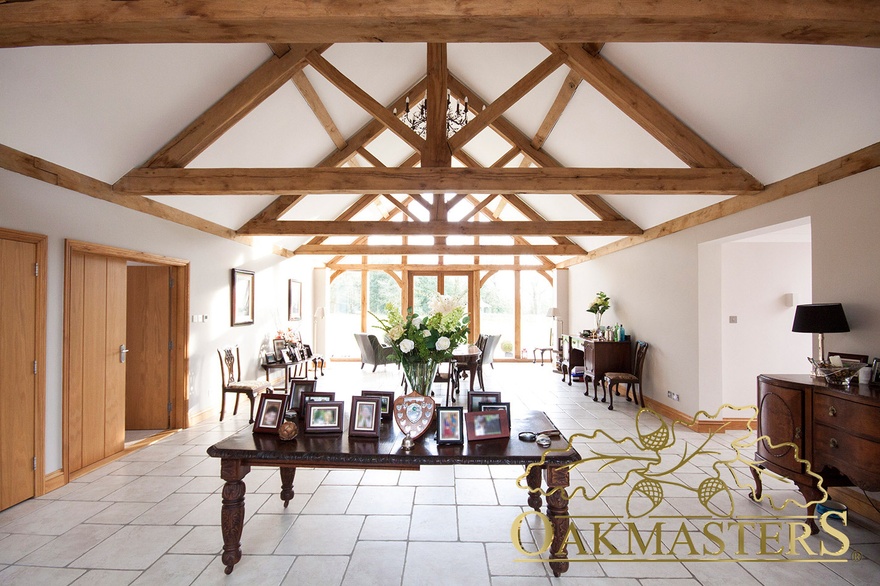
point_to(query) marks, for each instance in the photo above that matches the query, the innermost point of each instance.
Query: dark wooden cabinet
(597, 358)
(837, 430)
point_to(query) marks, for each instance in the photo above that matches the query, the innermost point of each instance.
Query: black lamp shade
(820, 318)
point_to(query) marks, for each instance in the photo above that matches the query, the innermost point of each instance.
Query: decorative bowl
(841, 375)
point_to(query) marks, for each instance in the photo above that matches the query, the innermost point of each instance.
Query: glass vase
(598, 321)
(420, 376)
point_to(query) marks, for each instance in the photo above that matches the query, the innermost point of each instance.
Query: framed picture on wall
(294, 300)
(242, 297)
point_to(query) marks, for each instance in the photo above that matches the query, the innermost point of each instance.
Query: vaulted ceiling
(579, 141)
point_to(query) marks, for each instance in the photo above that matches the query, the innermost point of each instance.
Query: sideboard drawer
(838, 411)
(856, 457)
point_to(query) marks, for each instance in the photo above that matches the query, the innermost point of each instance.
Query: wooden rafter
(566, 93)
(232, 107)
(840, 168)
(493, 111)
(642, 108)
(273, 211)
(279, 181)
(440, 228)
(512, 134)
(465, 249)
(365, 101)
(307, 91)
(282, 21)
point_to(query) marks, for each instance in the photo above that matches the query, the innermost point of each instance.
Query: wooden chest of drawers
(836, 429)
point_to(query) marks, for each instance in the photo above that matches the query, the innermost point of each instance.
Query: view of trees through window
(346, 315)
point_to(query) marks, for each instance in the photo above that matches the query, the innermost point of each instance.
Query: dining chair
(230, 378)
(633, 379)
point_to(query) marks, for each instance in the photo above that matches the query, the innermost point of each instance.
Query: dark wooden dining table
(244, 449)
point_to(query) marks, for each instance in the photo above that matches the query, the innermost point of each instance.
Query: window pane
(536, 297)
(382, 289)
(344, 315)
(496, 309)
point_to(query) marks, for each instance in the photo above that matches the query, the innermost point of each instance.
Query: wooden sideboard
(596, 356)
(836, 429)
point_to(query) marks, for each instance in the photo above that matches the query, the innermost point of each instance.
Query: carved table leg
(287, 483)
(759, 486)
(534, 481)
(557, 511)
(232, 513)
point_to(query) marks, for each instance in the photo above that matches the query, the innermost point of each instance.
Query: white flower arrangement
(416, 338)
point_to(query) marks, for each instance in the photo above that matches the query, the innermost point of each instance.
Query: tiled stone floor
(153, 517)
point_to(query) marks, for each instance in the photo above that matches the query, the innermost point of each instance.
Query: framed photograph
(477, 397)
(294, 300)
(271, 359)
(297, 388)
(875, 372)
(287, 356)
(271, 413)
(278, 345)
(450, 425)
(365, 412)
(242, 297)
(324, 416)
(386, 401)
(484, 425)
(484, 406)
(314, 397)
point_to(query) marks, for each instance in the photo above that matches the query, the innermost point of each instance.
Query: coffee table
(244, 449)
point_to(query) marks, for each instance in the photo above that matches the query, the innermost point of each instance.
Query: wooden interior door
(18, 363)
(96, 306)
(148, 338)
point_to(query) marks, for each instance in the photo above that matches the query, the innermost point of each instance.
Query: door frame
(40, 241)
(179, 356)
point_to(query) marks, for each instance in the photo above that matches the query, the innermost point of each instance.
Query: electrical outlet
(671, 395)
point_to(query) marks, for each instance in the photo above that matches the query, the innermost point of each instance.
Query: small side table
(542, 351)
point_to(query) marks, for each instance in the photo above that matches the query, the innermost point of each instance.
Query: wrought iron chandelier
(417, 116)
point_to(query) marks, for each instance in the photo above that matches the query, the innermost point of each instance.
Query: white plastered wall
(657, 293)
(33, 206)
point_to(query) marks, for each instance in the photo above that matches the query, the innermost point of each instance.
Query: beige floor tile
(57, 518)
(375, 562)
(251, 570)
(435, 495)
(15, 547)
(322, 535)
(95, 491)
(147, 489)
(170, 510)
(265, 532)
(486, 523)
(329, 500)
(428, 476)
(434, 523)
(343, 477)
(132, 548)
(174, 570)
(475, 491)
(323, 569)
(502, 562)
(20, 510)
(205, 539)
(179, 466)
(385, 528)
(208, 511)
(31, 576)
(202, 484)
(380, 477)
(382, 500)
(428, 564)
(107, 578)
(120, 513)
(64, 549)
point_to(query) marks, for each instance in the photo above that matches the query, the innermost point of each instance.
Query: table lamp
(820, 318)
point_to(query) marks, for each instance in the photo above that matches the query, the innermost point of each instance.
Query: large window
(536, 297)
(382, 289)
(497, 301)
(344, 315)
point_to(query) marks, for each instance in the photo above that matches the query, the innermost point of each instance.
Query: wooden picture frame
(450, 426)
(324, 416)
(294, 300)
(484, 406)
(386, 403)
(365, 415)
(297, 388)
(486, 425)
(270, 414)
(314, 397)
(242, 297)
(279, 345)
(271, 358)
(286, 356)
(474, 398)
(875, 372)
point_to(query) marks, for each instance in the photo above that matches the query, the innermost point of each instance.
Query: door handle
(122, 352)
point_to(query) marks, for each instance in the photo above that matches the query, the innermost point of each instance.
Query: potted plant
(507, 348)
